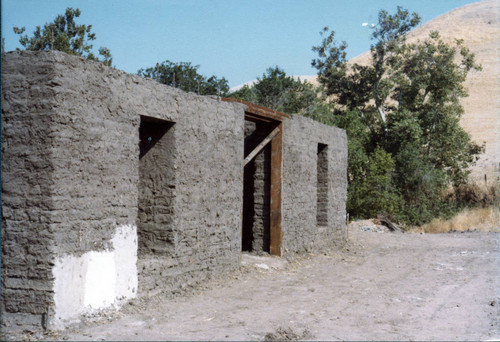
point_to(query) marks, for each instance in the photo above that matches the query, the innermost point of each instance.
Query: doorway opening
(256, 235)
(262, 177)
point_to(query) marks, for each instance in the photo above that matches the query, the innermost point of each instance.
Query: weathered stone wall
(248, 189)
(89, 218)
(208, 195)
(207, 189)
(300, 160)
(82, 122)
(95, 151)
(262, 200)
(27, 182)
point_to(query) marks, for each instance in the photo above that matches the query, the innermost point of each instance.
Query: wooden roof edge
(259, 110)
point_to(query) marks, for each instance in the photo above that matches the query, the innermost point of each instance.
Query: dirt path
(386, 286)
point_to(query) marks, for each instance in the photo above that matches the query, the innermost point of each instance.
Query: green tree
(374, 194)
(63, 34)
(278, 91)
(246, 93)
(185, 76)
(405, 103)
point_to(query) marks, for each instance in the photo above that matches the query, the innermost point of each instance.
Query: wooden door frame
(258, 113)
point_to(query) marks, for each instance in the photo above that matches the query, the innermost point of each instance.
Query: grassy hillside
(478, 24)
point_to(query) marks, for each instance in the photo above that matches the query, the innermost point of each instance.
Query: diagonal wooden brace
(259, 147)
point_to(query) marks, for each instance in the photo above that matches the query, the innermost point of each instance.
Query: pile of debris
(381, 224)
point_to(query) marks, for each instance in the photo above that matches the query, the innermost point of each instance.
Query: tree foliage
(63, 34)
(278, 91)
(185, 76)
(401, 113)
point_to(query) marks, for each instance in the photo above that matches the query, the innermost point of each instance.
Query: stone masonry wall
(27, 168)
(262, 200)
(84, 224)
(207, 188)
(299, 188)
(208, 195)
(248, 189)
(95, 155)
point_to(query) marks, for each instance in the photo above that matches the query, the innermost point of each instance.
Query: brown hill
(478, 24)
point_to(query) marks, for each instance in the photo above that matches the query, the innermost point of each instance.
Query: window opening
(156, 187)
(322, 185)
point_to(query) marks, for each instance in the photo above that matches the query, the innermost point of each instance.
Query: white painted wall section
(96, 280)
(125, 246)
(100, 280)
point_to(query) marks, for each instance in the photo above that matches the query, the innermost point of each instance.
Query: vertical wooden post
(276, 180)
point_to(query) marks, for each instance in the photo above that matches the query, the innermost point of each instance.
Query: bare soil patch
(382, 286)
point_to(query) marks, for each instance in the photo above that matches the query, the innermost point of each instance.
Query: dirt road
(383, 286)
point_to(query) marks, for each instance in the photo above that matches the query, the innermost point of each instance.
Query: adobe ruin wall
(300, 186)
(88, 220)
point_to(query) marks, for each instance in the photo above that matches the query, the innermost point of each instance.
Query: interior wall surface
(155, 228)
(74, 247)
(301, 232)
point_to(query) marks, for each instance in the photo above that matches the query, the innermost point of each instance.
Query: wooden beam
(260, 146)
(276, 201)
(254, 118)
(259, 111)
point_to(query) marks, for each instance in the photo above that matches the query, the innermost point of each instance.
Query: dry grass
(476, 219)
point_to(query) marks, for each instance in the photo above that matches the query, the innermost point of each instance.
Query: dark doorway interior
(156, 187)
(256, 190)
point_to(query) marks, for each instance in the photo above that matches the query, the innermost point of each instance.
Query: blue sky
(235, 39)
